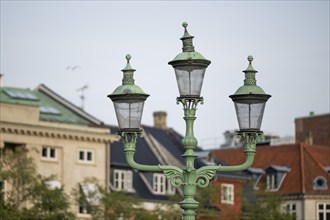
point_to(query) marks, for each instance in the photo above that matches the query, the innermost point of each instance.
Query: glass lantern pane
(129, 114)
(249, 115)
(190, 80)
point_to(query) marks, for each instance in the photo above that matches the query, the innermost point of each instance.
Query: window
(276, 176)
(292, 209)
(48, 153)
(122, 180)
(227, 193)
(49, 110)
(90, 196)
(22, 94)
(271, 181)
(320, 182)
(161, 185)
(53, 184)
(86, 156)
(256, 174)
(323, 211)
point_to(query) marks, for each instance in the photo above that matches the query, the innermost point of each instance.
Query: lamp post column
(189, 204)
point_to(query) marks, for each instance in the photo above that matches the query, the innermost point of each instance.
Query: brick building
(313, 129)
(299, 172)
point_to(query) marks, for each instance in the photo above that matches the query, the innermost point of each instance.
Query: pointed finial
(128, 72)
(185, 25)
(250, 73)
(250, 59)
(250, 67)
(128, 65)
(187, 39)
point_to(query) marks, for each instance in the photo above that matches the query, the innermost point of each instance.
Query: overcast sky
(288, 39)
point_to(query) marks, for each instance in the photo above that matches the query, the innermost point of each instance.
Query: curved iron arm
(174, 174)
(250, 139)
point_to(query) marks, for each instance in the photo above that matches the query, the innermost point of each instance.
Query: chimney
(160, 120)
(309, 138)
(1, 78)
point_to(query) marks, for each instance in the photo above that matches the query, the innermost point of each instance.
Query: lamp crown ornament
(250, 73)
(128, 72)
(187, 40)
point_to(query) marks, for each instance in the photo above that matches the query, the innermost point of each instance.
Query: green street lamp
(250, 101)
(128, 100)
(189, 68)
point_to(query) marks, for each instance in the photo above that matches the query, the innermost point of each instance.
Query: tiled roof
(305, 163)
(52, 107)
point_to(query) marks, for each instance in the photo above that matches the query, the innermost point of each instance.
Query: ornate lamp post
(189, 68)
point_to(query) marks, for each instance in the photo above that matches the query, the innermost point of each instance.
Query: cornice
(56, 133)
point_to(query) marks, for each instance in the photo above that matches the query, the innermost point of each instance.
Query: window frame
(122, 180)
(316, 186)
(84, 206)
(83, 156)
(48, 153)
(161, 185)
(291, 208)
(227, 193)
(323, 211)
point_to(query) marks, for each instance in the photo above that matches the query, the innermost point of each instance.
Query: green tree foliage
(102, 204)
(207, 197)
(267, 206)
(27, 196)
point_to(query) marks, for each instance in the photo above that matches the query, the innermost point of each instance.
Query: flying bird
(73, 67)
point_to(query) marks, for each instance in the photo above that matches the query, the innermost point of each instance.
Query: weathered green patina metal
(250, 83)
(188, 55)
(189, 178)
(128, 88)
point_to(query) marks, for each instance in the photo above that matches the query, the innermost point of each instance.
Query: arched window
(320, 182)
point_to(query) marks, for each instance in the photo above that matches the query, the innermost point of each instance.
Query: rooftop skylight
(27, 95)
(49, 110)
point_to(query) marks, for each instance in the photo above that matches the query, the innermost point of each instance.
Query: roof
(52, 107)
(302, 164)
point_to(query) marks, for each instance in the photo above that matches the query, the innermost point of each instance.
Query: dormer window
(122, 180)
(320, 183)
(256, 174)
(275, 177)
(272, 183)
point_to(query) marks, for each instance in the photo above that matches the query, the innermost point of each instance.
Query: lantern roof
(188, 51)
(128, 88)
(250, 86)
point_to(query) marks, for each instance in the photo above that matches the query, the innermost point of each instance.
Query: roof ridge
(302, 162)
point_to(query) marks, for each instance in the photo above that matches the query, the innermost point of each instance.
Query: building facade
(64, 141)
(313, 129)
(298, 172)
